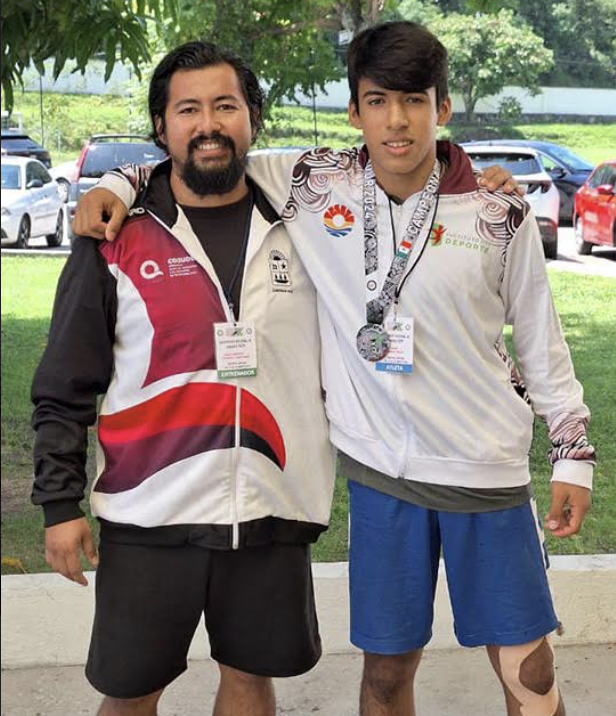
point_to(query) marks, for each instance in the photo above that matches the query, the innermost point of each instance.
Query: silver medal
(373, 342)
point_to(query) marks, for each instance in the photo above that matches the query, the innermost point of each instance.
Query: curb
(46, 620)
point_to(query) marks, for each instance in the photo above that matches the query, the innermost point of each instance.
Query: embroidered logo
(150, 269)
(280, 273)
(436, 234)
(338, 220)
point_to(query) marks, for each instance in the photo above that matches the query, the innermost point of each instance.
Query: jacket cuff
(574, 472)
(61, 511)
(118, 185)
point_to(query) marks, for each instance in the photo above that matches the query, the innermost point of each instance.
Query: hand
(570, 504)
(63, 543)
(493, 178)
(92, 209)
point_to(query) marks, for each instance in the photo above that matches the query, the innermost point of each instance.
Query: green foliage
(582, 35)
(509, 109)
(288, 44)
(36, 30)
(487, 52)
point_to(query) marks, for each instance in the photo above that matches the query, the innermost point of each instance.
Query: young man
(199, 327)
(417, 270)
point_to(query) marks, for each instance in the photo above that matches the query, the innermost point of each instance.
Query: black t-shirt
(222, 232)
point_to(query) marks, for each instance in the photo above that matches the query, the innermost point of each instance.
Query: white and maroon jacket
(241, 461)
(459, 419)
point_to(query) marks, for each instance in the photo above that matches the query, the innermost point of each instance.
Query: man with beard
(198, 326)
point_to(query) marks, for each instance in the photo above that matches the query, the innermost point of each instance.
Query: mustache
(216, 136)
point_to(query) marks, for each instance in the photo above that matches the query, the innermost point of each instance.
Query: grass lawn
(587, 305)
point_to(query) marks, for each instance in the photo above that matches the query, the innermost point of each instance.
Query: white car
(65, 174)
(527, 169)
(31, 203)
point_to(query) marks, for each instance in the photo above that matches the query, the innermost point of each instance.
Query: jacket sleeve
(76, 367)
(126, 182)
(543, 357)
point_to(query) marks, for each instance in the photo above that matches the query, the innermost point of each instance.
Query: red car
(594, 213)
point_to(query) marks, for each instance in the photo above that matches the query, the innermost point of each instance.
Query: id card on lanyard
(387, 340)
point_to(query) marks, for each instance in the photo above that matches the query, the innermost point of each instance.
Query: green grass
(71, 119)
(587, 305)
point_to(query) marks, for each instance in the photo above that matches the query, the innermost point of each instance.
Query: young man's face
(399, 129)
(207, 129)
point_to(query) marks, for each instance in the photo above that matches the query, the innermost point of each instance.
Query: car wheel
(55, 239)
(582, 247)
(23, 234)
(551, 250)
(63, 189)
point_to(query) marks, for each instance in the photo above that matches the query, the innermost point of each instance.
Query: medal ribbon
(423, 217)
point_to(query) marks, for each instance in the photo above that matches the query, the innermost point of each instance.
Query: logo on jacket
(436, 234)
(150, 269)
(280, 272)
(338, 220)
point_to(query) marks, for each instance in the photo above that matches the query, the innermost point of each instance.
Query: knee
(243, 680)
(537, 670)
(386, 675)
(144, 705)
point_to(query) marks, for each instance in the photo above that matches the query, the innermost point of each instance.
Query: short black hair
(194, 56)
(402, 56)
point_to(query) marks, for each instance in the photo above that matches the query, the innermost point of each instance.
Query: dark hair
(402, 56)
(194, 56)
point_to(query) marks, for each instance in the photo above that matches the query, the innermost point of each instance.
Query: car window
(517, 164)
(610, 176)
(102, 157)
(30, 172)
(10, 176)
(548, 163)
(572, 161)
(598, 177)
(39, 172)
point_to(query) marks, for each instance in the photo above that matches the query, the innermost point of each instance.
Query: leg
(145, 706)
(242, 694)
(387, 684)
(527, 675)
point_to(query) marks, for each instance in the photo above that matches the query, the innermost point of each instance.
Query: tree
(487, 52)
(582, 34)
(36, 30)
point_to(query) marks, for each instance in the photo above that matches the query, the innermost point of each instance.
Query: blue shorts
(496, 571)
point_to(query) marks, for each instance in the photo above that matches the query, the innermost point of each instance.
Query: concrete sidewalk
(46, 623)
(449, 683)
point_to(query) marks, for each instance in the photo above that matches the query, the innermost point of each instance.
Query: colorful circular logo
(338, 220)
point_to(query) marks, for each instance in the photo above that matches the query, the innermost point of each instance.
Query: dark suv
(104, 152)
(21, 145)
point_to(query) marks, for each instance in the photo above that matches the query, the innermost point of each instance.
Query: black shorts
(258, 604)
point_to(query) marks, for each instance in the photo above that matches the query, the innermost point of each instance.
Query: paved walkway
(449, 683)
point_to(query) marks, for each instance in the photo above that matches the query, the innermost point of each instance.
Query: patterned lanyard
(372, 339)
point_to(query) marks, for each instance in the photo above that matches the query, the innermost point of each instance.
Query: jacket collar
(459, 177)
(157, 197)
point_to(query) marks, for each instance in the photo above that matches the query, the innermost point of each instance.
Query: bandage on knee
(523, 668)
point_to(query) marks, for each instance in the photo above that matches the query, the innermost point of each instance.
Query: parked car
(594, 214)
(541, 193)
(568, 170)
(104, 152)
(31, 203)
(21, 145)
(65, 174)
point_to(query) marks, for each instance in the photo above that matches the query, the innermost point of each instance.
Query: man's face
(207, 129)
(399, 129)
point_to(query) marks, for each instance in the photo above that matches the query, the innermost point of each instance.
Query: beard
(203, 180)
